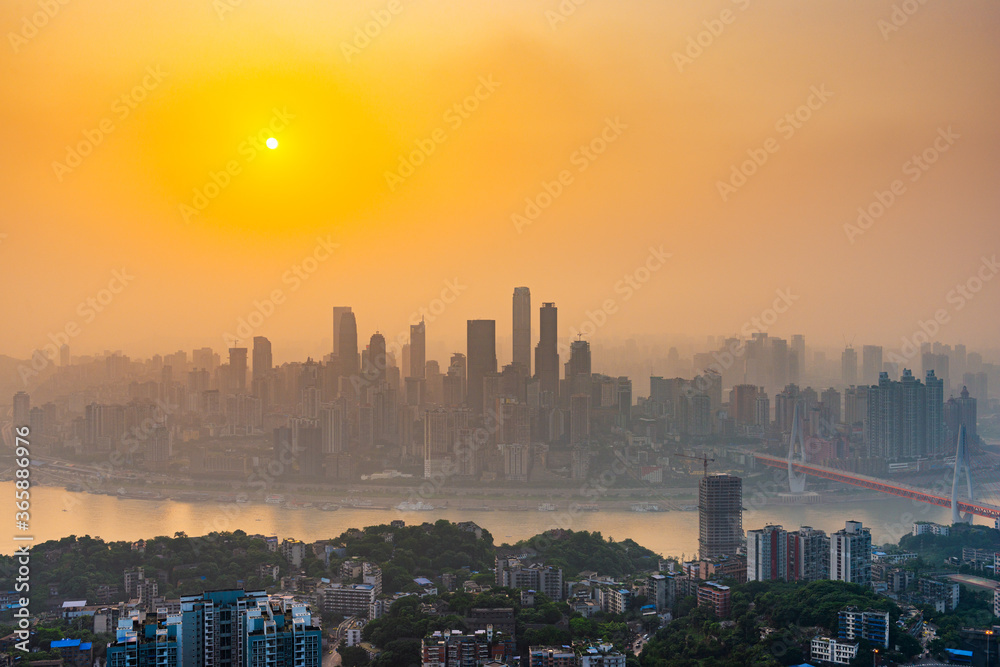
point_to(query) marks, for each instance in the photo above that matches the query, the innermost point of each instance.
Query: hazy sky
(672, 97)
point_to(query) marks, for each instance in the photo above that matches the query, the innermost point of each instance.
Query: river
(57, 513)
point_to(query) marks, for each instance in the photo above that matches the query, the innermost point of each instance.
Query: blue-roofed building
(74, 652)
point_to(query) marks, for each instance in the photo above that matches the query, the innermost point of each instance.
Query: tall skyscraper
(798, 353)
(377, 359)
(481, 356)
(522, 328)
(720, 515)
(871, 364)
(851, 554)
(547, 350)
(238, 369)
(347, 351)
(338, 313)
(849, 366)
(579, 374)
(262, 361)
(418, 349)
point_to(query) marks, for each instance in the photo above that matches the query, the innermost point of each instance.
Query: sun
(272, 143)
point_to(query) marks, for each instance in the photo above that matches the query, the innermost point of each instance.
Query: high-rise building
(797, 359)
(481, 356)
(744, 405)
(522, 328)
(906, 419)
(238, 369)
(767, 554)
(871, 364)
(377, 362)
(338, 313)
(148, 640)
(22, 409)
(418, 349)
(720, 515)
(849, 366)
(578, 374)
(624, 386)
(959, 412)
(347, 351)
(547, 350)
(851, 554)
(262, 360)
(808, 555)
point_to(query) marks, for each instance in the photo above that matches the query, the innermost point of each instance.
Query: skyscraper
(377, 360)
(871, 364)
(849, 366)
(547, 350)
(720, 515)
(347, 351)
(481, 355)
(522, 328)
(851, 554)
(418, 349)
(262, 361)
(338, 313)
(238, 368)
(579, 374)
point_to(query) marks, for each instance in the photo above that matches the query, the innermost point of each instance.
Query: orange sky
(197, 81)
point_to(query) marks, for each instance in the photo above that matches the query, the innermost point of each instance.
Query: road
(331, 658)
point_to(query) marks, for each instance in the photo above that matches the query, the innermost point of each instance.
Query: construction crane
(704, 459)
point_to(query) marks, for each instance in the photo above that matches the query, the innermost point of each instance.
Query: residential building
(715, 596)
(871, 625)
(827, 649)
(767, 554)
(851, 554)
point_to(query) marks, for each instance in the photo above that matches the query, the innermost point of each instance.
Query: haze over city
(532, 333)
(210, 75)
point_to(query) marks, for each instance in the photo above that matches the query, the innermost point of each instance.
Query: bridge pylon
(961, 462)
(796, 480)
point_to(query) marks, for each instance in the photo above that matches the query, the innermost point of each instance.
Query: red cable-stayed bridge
(884, 486)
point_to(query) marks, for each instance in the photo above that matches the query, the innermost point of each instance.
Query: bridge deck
(884, 486)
